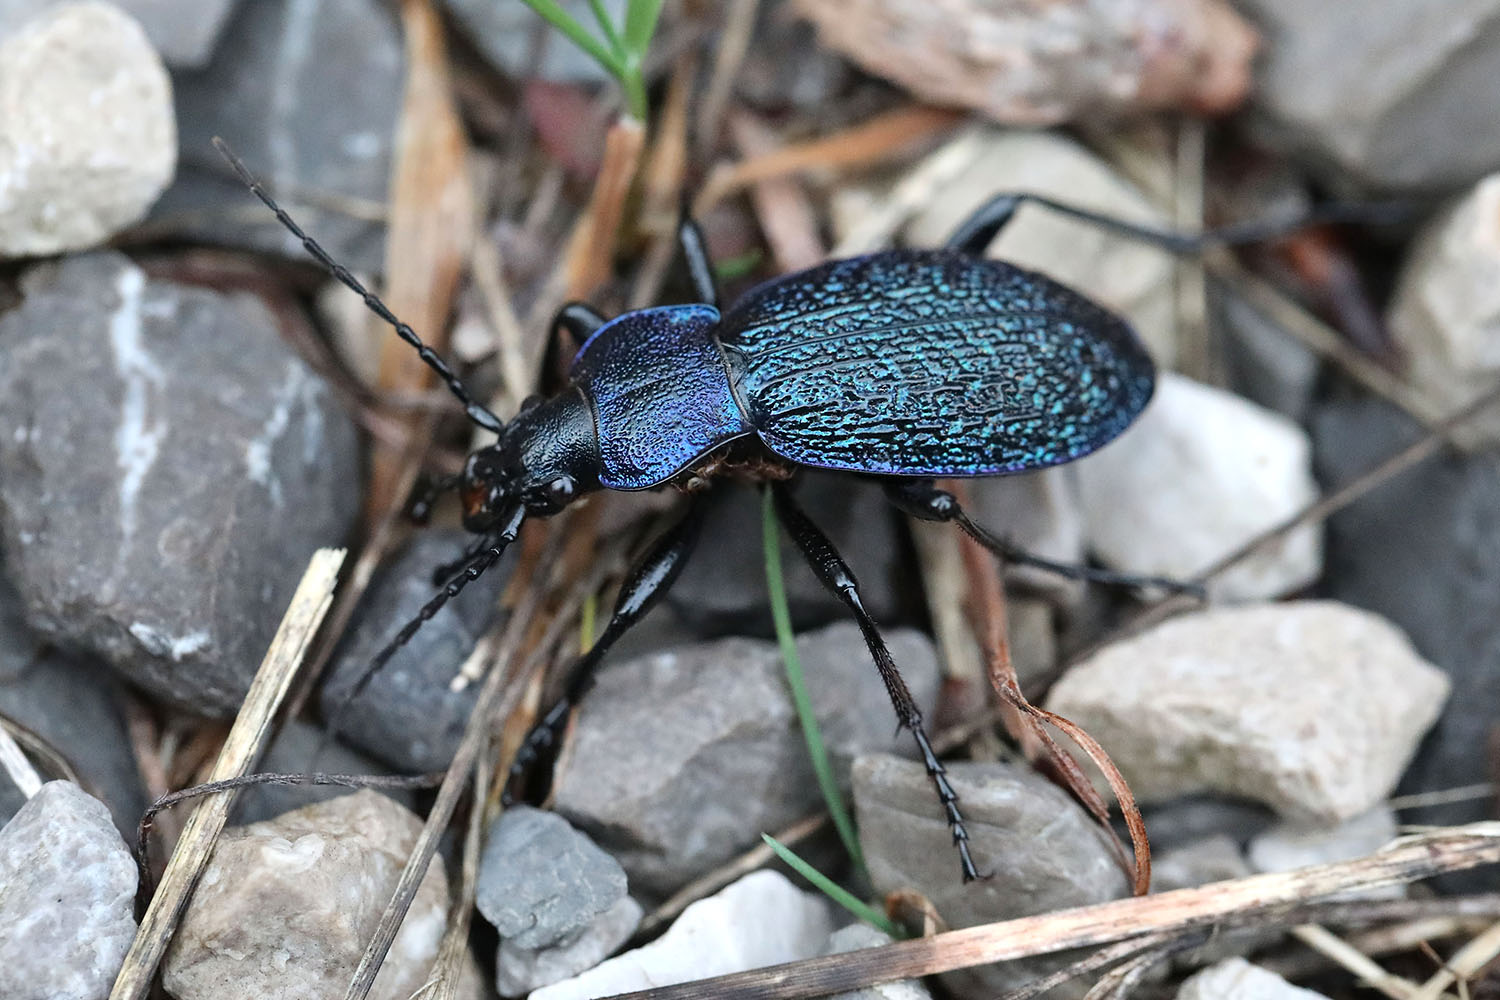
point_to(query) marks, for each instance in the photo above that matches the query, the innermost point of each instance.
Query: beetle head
(546, 458)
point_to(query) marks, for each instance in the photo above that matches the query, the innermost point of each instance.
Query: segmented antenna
(476, 412)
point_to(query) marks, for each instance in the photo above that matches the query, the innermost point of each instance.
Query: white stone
(1292, 845)
(67, 888)
(1237, 979)
(1445, 315)
(286, 907)
(1201, 473)
(760, 920)
(1311, 707)
(1128, 276)
(857, 936)
(88, 137)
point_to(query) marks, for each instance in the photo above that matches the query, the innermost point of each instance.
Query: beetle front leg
(647, 584)
(837, 577)
(695, 254)
(922, 499)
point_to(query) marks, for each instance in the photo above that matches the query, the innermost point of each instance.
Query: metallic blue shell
(932, 363)
(659, 389)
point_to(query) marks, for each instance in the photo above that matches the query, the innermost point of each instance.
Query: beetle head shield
(546, 457)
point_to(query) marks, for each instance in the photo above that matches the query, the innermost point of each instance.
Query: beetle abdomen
(933, 363)
(660, 393)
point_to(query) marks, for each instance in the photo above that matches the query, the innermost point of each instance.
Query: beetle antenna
(469, 569)
(478, 413)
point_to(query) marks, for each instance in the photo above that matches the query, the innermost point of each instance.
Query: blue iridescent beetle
(906, 365)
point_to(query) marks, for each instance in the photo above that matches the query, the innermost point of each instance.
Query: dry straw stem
(17, 767)
(1259, 898)
(247, 738)
(430, 228)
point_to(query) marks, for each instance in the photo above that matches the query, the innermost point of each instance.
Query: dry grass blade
(454, 949)
(17, 767)
(430, 229)
(1093, 962)
(1259, 897)
(734, 43)
(247, 738)
(1363, 966)
(1465, 963)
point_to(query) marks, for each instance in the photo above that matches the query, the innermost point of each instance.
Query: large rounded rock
(1312, 707)
(87, 135)
(168, 468)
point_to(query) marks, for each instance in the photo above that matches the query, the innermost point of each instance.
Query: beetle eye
(561, 489)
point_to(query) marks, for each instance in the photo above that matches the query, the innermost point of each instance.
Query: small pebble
(1199, 474)
(518, 971)
(1312, 707)
(162, 518)
(87, 137)
(1042, 849)
(858, 936)
(1290, 845)
(1237, 979)
(1445, 315)
(1042, 64)
(680, 759)
(1213, 859)
(760, 920)
(67, 892)
(408, 715)
(286, 907)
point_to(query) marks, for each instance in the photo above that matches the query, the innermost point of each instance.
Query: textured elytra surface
(933, 363)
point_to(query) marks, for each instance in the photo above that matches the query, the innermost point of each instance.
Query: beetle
(905, 365)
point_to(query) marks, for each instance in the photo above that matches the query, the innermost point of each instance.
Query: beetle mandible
(852, 365)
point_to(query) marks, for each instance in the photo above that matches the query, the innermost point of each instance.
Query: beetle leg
(647, 583)
(695, 254)
(578, 318)
(837, 577)
(469, 569)
(920, 498)
(976, 232)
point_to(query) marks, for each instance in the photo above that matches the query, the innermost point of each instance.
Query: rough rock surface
(518, 970)
(1128, 276)
(1198, 475)
(760, 920)
(1399, 94)
(1036, 64)
(87, 137)
(183, 31)
(408, 715)
(1045, 851)
(1290, 845)
(1312, 707)
(681, 758)
(1237, 979)
(163, 517)
(286, 907)
(269, 91)
(67, 888)
(1445, 315)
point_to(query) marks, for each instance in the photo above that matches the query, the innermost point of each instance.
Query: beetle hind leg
(921, 498)
(837, 577)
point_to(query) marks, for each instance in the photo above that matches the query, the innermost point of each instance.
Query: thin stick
(1405, 860)
(734, 42)
(1367, 969)
(247, 739)
(17, 766)
(1465, 963)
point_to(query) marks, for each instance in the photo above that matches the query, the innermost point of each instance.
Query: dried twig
(1367, 969)
(247, 739)
(17, 767)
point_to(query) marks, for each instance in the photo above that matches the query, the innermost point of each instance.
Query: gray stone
(183, 31)
(171, 468)
(73, 704)
(286, 907)
(408, 715)
(1291, 845)
(67, 888)
(269, 92)
(540, 880)
(723, 589)
(1185, 821)
(857, 936)
(1424, 550)
(518, 971)
(301, 748)
(1038, 512)
(1237, 979)
(87, 138)
(19, 646)
(1397, 93)
(1199, 474)
(682, 758)
(760, 920)
(1214, 859)
(1130, 277)
(1266, 365)
(506, 33)
(1312, 707)
(1444, 319)
(1044, 851)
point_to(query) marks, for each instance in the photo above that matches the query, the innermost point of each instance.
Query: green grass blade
(611, 34)
(578, 35)
(776, 585)
(861, 910)
(640, 25)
